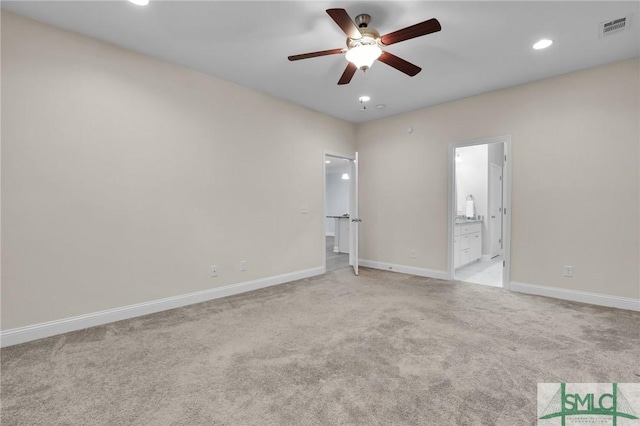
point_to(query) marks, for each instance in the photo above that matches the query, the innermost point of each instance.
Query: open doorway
(338, 176)
(479, 216)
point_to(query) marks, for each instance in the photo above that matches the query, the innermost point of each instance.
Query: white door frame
(490, 203)
(325, 153)
(354, 226)
(506, 203)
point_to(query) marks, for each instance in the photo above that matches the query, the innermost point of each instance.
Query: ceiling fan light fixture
(363, 55)
(364, 44)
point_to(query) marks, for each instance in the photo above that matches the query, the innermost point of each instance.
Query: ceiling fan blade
(341, 17)
(399, 64)
(348, 73)
(315, 54)
(417, 30)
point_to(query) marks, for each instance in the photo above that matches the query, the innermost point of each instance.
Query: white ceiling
(483, 46)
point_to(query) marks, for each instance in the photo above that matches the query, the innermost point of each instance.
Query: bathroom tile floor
(485, 273)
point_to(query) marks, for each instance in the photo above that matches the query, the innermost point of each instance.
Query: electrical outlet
(304, 209)
(243, 265)
(214, 270)
(412, 254)
(568, 271)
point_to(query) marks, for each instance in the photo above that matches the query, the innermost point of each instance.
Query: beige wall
(575, 179)
(124, 177)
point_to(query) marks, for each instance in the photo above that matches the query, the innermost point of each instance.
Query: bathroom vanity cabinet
(467, 243)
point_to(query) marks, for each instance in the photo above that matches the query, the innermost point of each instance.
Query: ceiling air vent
(613, 27)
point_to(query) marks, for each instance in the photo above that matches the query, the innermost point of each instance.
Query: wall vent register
(612, 27)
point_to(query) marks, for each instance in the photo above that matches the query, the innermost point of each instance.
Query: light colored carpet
(379, 349)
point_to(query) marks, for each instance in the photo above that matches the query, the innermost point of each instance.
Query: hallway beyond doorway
(335, 260)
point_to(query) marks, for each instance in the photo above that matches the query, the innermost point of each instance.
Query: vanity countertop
(467, 221)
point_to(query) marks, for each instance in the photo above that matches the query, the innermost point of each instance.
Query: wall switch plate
(214, 270)
(568, 271)
(412, 254)
(304, 209)
(243, 265)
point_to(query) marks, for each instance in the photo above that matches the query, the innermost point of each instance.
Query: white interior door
(495, 209)
(355, 219)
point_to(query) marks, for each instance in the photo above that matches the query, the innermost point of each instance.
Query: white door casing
(353, 206)
(507, 172)
(495, 210)
(355, 219)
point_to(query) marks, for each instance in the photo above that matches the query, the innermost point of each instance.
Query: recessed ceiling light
(543, 44)
(364, 98)
(380, 106)
(140, 2)
(327, 161)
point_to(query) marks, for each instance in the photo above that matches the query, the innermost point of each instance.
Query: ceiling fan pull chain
(364, 90)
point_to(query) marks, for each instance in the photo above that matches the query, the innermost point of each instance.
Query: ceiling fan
(364, 44)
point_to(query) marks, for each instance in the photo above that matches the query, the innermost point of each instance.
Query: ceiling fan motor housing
(370, 36)
(363, 20)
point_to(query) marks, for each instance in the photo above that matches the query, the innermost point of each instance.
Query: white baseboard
(52, 328)
(578, 296)
(404, 269)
